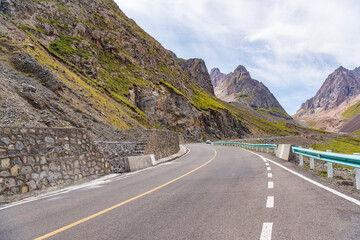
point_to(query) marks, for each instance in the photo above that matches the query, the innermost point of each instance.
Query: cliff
(100, 70)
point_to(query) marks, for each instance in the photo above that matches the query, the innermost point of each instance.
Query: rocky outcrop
(238, 86)
(25, 63)
(339, 87)
(101, 71)
(197, 72)
(217, 77)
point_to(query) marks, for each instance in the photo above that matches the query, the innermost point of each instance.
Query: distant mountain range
(336, 105)
(238, 87)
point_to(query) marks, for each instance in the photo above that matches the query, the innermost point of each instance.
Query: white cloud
(291, 46)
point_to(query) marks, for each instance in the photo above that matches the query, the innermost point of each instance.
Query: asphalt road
(214, 192)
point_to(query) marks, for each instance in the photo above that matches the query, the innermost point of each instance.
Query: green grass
(352, 111)
(68, 45)
(345, 145)
(275, 111)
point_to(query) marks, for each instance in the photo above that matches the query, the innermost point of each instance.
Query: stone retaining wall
(115, 152)
(36, 158)
(161, 143)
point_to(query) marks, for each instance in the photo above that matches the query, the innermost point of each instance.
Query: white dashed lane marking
(270, 184)
(270, 202)
(266, 231)
(269, 175)
(268, 168)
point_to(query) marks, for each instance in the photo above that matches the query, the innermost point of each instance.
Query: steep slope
(103, 72)
(238, 86)
(335, 102)
(340, 86)
(197, 71)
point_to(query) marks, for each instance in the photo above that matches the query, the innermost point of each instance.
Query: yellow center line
(122, 203)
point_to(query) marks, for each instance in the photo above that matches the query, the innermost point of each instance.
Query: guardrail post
(267, 150)
(301, 158)
(330, 167)
(357, 175)
(312, 164)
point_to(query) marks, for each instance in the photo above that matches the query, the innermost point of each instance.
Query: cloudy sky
(290, 46)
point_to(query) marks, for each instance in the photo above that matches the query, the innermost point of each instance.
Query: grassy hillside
(345, 145)
(352, 111)
(103, 57)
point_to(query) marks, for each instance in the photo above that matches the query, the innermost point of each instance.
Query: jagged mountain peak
(238, 86)
(215, 71)
(197, 71)
(240, 68)
(340, 86)
(341, 68)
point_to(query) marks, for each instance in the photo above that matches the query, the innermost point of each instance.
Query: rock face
(197, 72)
(238, 86)
(339, 87)
(101, 71)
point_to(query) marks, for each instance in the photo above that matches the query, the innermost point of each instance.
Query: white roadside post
(357, 174)
(267, 150)
(330, 167)
(312, 164)
(301, 158)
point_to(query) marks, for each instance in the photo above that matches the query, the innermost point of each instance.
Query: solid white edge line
(270, 202)
(266, 231)
(270, 184)
(269, 175)
(333, 191)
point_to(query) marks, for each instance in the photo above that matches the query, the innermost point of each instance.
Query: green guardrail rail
(338, 158)
(274, 146)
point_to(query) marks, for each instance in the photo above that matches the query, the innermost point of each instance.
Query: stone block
(5, 173)
(25, 169)
(31, 184)
(10, 182)
(43, 160)
(134, 163)
(14, 170)
(24, 189)
(5, 163)
(19, 145)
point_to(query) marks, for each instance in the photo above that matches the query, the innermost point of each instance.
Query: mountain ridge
(327, 109)
(239, 86)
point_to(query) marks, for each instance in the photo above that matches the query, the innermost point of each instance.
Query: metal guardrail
(248, 145)
(330, 158)
(342, 159)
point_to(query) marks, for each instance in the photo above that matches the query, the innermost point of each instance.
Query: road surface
(214, 192)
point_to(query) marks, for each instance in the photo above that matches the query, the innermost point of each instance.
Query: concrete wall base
(134, 163)
(284, 152)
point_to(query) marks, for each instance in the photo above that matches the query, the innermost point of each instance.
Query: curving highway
(214, 192)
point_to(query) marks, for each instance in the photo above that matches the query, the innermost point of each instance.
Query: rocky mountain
(197, 71)
(332, 105)
(66, 63)
(238, 86)
(338, 87)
